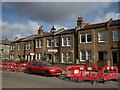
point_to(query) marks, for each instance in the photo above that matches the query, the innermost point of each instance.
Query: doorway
(114, 58)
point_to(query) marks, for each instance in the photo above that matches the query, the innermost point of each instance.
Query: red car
(43, 67)
(22, 66)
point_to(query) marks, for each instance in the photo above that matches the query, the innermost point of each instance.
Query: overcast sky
(20, 19)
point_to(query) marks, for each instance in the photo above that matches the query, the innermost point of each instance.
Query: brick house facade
(86, 42)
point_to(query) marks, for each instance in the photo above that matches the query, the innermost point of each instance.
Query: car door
(39, 68)
(34, 66)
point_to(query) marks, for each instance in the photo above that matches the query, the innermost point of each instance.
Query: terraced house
(85, 42)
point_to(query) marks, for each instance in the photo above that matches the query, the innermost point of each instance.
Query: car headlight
(52, 70)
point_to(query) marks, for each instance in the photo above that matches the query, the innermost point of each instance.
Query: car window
(30, 63)
(39, 64)
(34, 63)
(46, 64)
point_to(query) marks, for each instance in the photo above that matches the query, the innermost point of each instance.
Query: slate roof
(5, 42)
(99, 25)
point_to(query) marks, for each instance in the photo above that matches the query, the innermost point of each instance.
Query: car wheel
(29, 71)
(47, 74)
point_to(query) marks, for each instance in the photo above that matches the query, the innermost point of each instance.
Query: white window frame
(81, 56)
(56, 41)
(37, 43)
(66, 38)
(40, 43)
(62, 57)
(26, 46)
(99, 36)
(86, 55)
(36, 56)
(67, 55)
(114, 34)
(18, 47)
(40, 56)
(87, 37)
(48, 41)
(81, 38)
(11, 47)
(29, 46)
(26, 57)
(63, 44)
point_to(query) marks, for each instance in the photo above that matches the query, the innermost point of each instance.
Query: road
(24, 80)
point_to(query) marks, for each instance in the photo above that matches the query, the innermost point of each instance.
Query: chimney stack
(40, 30)
(16, 38)
(80, 22)
(53, 30)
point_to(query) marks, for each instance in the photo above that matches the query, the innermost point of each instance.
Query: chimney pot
(40, 30)
(80, 22)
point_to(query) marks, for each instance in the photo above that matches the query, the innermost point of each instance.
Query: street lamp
(53, 30)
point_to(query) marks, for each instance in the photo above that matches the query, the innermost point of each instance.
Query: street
(23, 80)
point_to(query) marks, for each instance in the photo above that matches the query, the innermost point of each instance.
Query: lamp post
(53, 30)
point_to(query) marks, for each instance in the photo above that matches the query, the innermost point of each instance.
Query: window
(11, 48)
(37, 43)
(89, 55)
(85, 55)
(11, 56)
(66, 41)
(34, 63)
(40, 44)
(40, 56)
(82, 38)
(82, 55)
(56, 42)
(26, 57)
(29, 45)
(102, 55)
(116, 35)
(101, 37)
(69, 56)
(39, 64)
(85, 38)
(66, 57)
(26, 46)
(49, 43)
(37, 56)
(89, 37)
(18, 46)
(63, 57)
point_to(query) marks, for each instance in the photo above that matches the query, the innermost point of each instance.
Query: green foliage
(44, 57)
(21, 61)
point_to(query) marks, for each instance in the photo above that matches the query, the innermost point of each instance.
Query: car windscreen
(46, 64)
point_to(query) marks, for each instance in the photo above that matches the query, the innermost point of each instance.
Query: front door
(114, 58)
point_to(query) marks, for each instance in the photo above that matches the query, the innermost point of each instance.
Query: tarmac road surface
(24, 80)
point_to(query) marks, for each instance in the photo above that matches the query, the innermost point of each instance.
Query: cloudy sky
(20, 19)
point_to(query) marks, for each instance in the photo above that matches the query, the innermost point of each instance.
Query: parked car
(22, 66)
(43, 67)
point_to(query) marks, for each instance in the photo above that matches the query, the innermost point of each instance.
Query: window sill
(82, 60)
(101, 41)
(67, 46)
